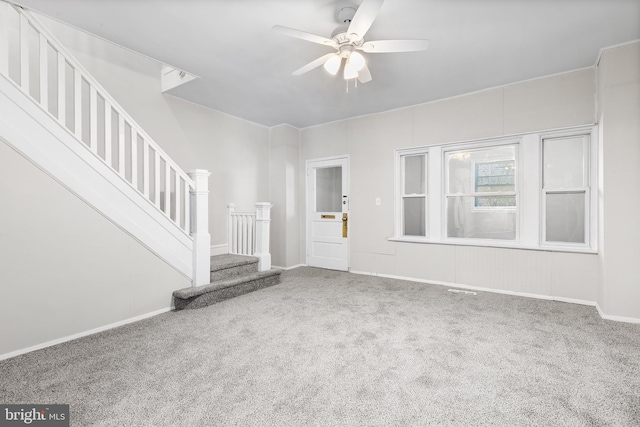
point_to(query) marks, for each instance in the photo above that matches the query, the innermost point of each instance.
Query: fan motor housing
(346, 14)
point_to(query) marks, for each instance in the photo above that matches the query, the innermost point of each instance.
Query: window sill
(492, 244)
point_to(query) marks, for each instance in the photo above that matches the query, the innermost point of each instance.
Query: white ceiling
(245, 67)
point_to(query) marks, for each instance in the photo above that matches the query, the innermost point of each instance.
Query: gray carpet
(327, 348)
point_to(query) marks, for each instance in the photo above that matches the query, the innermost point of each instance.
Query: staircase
(231, 276)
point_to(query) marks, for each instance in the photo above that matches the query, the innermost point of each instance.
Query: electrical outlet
(378, 201)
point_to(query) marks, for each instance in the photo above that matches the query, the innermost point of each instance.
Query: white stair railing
(33, 60)
(249, 233)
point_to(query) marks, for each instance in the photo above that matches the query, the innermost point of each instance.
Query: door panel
(327, 205)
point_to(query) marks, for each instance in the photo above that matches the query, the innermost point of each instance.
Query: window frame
(530, 215)
(480, 146)
(590, 195)
(400, 195)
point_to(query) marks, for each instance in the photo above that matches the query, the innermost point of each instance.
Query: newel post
(200, 227)
(263, 220)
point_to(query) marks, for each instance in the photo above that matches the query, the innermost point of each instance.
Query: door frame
(308, 202)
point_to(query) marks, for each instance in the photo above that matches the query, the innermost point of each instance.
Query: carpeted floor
(327, 348)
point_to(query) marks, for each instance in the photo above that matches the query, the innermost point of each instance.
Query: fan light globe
(333, 65)
(355, 63)
(356, 60)
(350, 72)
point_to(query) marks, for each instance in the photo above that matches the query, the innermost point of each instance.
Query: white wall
(285, 194)
(552, 102)
(66, 269)
(234, 150)
(619, 114)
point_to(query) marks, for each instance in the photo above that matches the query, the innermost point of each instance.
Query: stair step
(202, 296)
(228, 266)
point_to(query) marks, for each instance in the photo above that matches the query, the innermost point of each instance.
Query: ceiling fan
(348, 41)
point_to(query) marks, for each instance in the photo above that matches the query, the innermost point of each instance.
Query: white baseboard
(616, 318)
(84, 334)
(219, 249)
(277, 267)
(481, 289)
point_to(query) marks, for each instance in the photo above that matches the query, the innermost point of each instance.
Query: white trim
(623, 319)
(617, 318)
(85, 333)
(277, 267)
(219, 249)
(480, 288)
(487, 243)
(602, 49)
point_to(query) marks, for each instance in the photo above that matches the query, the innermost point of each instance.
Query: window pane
(564, 162)
(414, 174)
(462, 167)
(329, 189)
(565, 217)
(414, 216)
(466, 221)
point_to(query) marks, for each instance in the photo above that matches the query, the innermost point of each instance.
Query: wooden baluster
(93, 123)
(167, 188)
(178, 201)
(121, 143)
(62, 90)
(145, 168)
(245, 235)
(156, 182)
(187, 207)
(24, 53)
(4, 38)
(134, 158)
(77, 104)
(44, 73)
(108, 138)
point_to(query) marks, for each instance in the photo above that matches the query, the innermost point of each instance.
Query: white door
(328, 213)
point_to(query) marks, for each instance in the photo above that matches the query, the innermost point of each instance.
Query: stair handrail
(80, 73)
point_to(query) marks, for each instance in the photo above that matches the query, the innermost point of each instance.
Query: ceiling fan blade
(364, 17)
(364, 75)
(313, 64)
(305, 36)
(387, 46)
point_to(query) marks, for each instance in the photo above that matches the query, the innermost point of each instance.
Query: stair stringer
(38, 136)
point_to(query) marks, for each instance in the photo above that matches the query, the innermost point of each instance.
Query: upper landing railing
(37, 63)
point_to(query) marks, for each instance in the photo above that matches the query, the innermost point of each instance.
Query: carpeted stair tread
(228, 266)
(202, 296)
(194, 291)
(226, 261)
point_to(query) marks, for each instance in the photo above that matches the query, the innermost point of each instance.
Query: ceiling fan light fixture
(333, 64)
(355, 63)
(350, 72)
(356, 60)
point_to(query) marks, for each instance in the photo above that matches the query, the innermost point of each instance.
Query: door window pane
(565, 217)
(414, 174)
(564, 162)
(414, 216)
(329, 189)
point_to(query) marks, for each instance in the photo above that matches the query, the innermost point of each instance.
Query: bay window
(530, 191)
